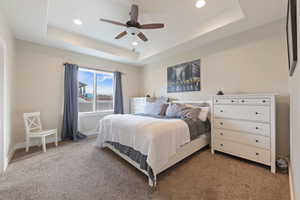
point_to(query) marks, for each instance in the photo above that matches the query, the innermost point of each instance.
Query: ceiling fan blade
(142, 36)
(134, 13)
(113, 22)
(152, 26)
(121, 35)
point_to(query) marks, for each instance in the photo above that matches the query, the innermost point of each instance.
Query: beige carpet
(79, 171)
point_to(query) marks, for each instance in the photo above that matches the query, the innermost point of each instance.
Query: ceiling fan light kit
(77, 21)
(200, 3)
(135, 43)
(133, 25)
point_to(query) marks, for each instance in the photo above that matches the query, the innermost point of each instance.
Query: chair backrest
(32, 122)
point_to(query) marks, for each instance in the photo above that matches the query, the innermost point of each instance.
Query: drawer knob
(257, 113)
(243, 101)
(221, 123)
(221, 145)
(256, 141)
(221, 111)
(232, 101)
(221, 133)
(264, 101)
(256, 128)
(217, 101)
(257, 154)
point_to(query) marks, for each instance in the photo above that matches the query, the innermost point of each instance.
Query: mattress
(149, 141)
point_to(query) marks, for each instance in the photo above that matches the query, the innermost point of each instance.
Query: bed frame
(182, 153)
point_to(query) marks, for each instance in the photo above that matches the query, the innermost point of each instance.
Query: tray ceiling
(51, 23)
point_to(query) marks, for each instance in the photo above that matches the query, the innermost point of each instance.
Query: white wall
(250, 62)
(294, 86)
(295, 130)
(40, 75)
(7, 38)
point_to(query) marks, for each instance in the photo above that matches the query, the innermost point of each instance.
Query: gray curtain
(118, 97)
(70, 119)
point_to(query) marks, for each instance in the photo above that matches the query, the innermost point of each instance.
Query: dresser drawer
(138, 105)
(255, 113)
(139, 100)
(249, 101)
(226, 101)
(243, 126)
(137, 111)
(244, 151)
(244, 138)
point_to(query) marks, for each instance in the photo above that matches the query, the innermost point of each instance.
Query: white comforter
(157, 138)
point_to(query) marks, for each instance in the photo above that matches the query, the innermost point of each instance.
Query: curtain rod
(97, 69)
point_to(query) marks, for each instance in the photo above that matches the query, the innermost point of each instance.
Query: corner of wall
(9, 83)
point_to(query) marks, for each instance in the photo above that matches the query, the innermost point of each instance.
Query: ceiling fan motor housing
(133, 30)
(133, 24)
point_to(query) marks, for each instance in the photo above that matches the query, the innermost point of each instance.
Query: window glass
(86, 91)
(95, 91)
(104, 91)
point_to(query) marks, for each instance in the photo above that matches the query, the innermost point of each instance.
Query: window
(95, 91)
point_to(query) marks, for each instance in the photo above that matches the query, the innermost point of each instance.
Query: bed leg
(151, 182)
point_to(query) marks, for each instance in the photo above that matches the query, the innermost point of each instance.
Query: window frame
(95, 72)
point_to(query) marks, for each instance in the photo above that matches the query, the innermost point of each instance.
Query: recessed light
(200, 3)
(134, 43)
(77, 21)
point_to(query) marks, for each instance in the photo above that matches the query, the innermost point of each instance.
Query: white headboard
(208, 102)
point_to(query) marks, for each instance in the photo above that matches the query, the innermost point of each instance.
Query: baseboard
(11, 155)
(34, 142)
(291, 182)
(8, 158)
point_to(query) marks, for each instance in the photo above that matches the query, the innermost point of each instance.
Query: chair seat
(43, 133)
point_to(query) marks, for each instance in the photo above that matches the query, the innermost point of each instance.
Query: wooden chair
(34, 129)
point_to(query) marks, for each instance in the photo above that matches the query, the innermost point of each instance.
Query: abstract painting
(291, 31)
(185, 77)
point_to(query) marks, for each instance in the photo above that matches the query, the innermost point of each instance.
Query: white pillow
(204, 114)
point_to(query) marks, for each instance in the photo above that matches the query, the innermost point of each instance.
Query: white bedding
(159, 139)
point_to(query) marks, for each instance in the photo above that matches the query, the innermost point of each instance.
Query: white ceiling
(49, 22)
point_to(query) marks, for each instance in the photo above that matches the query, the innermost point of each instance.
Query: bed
(153, 144)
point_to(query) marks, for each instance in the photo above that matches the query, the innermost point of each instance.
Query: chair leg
(44, 143)
(27, 144)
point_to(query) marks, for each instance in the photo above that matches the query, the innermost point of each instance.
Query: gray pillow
(153, 108)
(174, 110)
(164, 109)
(191, 113)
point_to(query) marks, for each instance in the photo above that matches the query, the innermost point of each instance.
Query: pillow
(162, 99)
(191, 113)
(164, 109)
(153, 108)
(174, 110)
(204, 114)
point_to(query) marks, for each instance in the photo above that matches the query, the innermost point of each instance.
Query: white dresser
(137, 104)
(245, 126)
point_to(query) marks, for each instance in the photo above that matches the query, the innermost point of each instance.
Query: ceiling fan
(134, 25)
